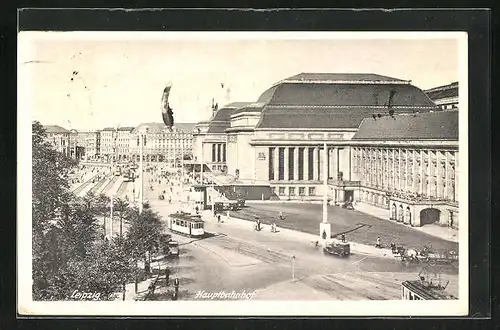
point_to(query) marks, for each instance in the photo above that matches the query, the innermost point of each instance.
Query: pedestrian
(218, 217)
(343, 238)
(378, 245)
(281, 215)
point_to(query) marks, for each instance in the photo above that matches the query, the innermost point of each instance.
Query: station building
(210, 139)
(446, 96)
(365, 121)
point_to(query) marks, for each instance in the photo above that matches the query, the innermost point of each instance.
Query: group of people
(258, 226)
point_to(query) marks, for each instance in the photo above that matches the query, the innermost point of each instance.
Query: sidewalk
(446, 233)
(297, 235)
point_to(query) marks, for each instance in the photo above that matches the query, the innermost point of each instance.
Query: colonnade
(427, 172)
(296, 163)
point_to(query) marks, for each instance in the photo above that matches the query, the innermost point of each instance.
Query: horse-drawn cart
(427, 256)
(446, 257)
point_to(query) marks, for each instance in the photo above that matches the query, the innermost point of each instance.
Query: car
(173, 247)
(338, 248)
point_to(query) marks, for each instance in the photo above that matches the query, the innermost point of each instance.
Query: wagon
(446, 257)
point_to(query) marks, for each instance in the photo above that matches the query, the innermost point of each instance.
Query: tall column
(407, 170)
(285, 163)
(380, 172)
(322, 167)
(421, 188)
(438, 174)
(414, 172)
(399, 169)
(446, 183)
(315, 164)
(393, 169)
(387, 170)
(429, 178)
(296, 163)
(306, 163)
(335, 161)
(331, 169)
(276, 163)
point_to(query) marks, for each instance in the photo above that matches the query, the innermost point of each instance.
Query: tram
(117, 171)
(186, 224)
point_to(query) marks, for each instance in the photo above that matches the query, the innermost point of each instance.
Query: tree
(122, 208)
(49, 194)
(144, 233)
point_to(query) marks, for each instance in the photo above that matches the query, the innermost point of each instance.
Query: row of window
(291, 191)
(183, 223)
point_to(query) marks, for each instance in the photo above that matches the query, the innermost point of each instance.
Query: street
(235, 258)
(238, 258)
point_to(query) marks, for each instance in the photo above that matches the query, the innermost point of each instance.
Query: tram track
(84, 185)
(99, 184)
(122, 189)
(110, 184)
(260, 253)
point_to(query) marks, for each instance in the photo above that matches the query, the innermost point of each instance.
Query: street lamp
(111, 216)
(325, 227)
(142, 135)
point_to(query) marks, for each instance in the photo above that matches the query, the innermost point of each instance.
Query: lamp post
(111, 215)
(142, 134)
(201, 164)
(325, 227)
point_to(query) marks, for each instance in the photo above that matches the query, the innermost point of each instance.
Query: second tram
(186, 224)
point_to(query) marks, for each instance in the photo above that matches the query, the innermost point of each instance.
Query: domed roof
(311, 100)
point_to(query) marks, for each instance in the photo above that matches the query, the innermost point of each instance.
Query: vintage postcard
(243, 173)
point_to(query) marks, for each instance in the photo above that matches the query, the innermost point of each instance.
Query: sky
(118, 80)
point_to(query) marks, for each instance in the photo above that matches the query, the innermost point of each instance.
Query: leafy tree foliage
(144, 233)
(68, 250)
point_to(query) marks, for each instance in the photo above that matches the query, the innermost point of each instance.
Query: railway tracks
(122, 189)
(262, 254)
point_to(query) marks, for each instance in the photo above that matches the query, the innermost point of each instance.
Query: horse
(410, 254)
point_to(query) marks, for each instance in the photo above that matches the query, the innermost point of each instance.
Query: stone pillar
(306, 163)
(407, 171)
(414, 171)
(331, 170)
(296, 164)
(335, 162)
(321, 170)
(285, 163)
(400, 186)
(421, 188)
(387, 170)
(446, 182)
(276, 163)
(393, 169)
(438, 174)
(315, 164)
(429, 178)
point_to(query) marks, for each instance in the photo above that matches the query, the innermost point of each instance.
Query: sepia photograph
(243, 173)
